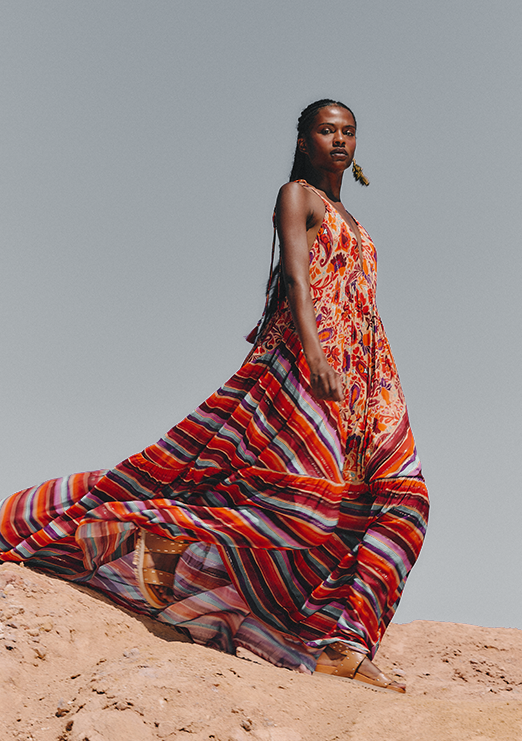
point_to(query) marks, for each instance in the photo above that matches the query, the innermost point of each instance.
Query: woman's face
(330, 143)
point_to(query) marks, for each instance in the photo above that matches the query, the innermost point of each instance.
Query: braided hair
(301, 166)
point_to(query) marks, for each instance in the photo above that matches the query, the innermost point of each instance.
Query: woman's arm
(295, 216)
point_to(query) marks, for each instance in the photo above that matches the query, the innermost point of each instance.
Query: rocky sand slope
(74, 667)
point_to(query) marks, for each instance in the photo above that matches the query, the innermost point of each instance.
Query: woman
(286, 512)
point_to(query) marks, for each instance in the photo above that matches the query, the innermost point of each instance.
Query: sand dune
(74, 667)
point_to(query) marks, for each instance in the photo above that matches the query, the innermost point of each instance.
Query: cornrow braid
(308, 114)
(300, 166)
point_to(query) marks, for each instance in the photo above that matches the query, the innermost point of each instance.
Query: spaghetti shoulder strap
(314, 190)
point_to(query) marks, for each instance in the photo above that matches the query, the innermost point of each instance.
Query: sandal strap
(158, 544)
(351, 662)
(342, 648)
(158, 578)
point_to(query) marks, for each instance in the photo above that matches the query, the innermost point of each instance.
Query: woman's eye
(326, 131)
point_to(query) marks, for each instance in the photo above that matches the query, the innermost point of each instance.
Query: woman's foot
(337, 660)
(155, 562)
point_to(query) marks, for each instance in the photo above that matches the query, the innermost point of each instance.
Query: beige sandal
(164, 554)
(358, 667)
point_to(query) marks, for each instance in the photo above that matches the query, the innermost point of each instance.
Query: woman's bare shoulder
(296, 198)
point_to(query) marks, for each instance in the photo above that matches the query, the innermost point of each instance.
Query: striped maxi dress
(305, 516)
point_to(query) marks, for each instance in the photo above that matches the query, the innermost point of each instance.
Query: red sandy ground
(74, 667)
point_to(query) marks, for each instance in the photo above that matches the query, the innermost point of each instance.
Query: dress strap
(307, 185)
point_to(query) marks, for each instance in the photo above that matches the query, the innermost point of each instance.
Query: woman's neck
(329, 182)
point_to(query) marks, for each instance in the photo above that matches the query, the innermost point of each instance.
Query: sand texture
(74, 667)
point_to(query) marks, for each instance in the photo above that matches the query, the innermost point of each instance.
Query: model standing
(286, 512)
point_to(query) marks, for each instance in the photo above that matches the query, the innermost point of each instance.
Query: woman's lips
(339, 153)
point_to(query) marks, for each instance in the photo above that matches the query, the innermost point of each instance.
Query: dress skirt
(305, 517)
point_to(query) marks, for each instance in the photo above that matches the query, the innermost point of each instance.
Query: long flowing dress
(305, 517)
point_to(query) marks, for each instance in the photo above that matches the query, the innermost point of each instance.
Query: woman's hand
(326, 383)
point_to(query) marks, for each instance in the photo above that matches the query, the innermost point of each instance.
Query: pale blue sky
(143, 144)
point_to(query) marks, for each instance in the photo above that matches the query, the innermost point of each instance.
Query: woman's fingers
(327, 385)
(337, 390)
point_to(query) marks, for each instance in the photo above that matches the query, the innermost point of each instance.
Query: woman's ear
(301, 144)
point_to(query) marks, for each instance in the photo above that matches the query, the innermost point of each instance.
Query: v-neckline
(355, 231)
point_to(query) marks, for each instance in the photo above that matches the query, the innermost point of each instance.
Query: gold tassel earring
(358, 174)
